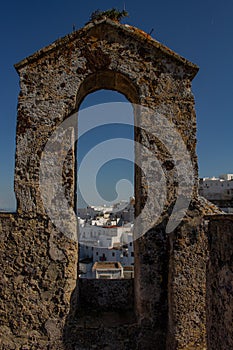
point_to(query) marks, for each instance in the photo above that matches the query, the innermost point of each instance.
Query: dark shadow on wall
(101, 310)
(219, 287)
(102, 313)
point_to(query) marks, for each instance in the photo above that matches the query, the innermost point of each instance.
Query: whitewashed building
(105, 237)
(108, 270)
(218, 190)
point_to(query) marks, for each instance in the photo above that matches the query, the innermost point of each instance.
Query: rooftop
(106, 265)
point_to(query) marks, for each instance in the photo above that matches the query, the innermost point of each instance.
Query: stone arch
(119, 82)
(122, 83)
(115, 81)
(109, 80)
(104, 54)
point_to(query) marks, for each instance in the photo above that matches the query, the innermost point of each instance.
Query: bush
(113, 14)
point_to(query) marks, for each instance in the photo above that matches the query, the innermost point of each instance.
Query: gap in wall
(105, 186)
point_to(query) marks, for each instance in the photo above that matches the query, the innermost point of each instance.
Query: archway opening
(105, 186)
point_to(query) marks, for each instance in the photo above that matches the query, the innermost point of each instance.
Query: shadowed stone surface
(220, 283)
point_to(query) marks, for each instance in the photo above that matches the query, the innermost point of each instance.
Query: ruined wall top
(96, 27)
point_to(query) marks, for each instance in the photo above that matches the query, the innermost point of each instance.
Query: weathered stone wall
(187, 285)
(106, 294)
(108, 55)
(219, 296)
(40, 300)
(37, 280)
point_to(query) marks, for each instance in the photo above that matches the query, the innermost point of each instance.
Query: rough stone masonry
(181, 297)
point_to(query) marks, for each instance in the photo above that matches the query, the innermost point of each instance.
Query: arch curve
(108, 80)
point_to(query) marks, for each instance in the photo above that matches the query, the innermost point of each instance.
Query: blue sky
(104, 123)
(200, 30)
